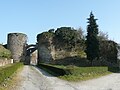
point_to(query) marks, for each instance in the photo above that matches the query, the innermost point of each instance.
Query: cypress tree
(92, 42)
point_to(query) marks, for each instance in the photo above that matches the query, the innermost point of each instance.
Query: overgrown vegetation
(7, 71)
(73, 42)
(64, 38)
(108, 51)
(4, 53)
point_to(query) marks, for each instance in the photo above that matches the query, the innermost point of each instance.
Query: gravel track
(37, 79)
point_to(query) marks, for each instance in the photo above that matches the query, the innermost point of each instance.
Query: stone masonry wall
(5, 61)
(49, 51)
(45, 51)
(16, 44)
(33, 58)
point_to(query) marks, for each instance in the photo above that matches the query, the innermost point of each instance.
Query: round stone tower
(16, 43)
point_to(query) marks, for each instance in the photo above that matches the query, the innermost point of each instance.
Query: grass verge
(84, 73)
(8, 73)
(74, 73)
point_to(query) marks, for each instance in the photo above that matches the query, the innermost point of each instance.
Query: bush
(8, 71)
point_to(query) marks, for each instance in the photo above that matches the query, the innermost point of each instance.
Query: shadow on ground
(42, 71)
(114, 69)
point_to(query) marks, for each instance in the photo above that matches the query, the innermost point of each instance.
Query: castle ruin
(16, 43)
(45, 51)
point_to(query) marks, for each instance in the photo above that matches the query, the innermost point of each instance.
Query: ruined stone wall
(16, 43)
(5, 61)
(118, 55)
(31, 54)
(45, 50)
(50, 49)
(33, 58)
(108, 51)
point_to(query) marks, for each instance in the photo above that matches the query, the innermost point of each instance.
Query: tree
(92, 42)
(102, 36)
(80, 33)
(66, 34)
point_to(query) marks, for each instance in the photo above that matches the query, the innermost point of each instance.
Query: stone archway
(31, 54)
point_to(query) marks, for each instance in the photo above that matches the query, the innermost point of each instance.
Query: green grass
(74, 73)
(7, 71)
(13, 80)
(84, 73)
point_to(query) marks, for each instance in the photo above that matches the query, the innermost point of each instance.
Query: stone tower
(16, 43)
(46, 49)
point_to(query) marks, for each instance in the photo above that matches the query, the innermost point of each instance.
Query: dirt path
(109, 82)
(36, 79)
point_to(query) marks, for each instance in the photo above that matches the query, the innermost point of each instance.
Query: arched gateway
(31, 54)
